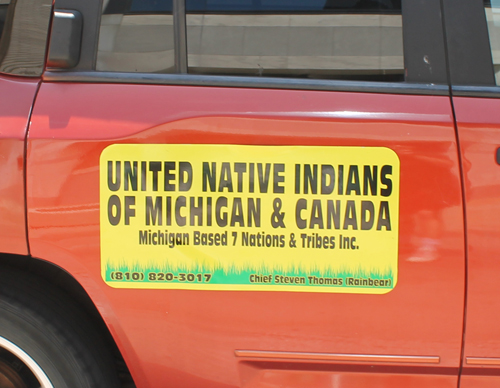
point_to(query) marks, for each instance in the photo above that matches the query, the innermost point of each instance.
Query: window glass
(151, 6)
(339, 39)
(492, 8)
(136, 36)
(333, 39)
(372, 6)
(4, 6)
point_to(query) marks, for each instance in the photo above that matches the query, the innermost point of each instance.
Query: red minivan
(250, 193)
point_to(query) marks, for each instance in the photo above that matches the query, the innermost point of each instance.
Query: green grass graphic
(233, 275)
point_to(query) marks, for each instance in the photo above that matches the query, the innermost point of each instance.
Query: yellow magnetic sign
(233, 217)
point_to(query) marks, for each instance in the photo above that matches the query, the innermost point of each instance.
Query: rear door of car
(473, 42)
(257, 194)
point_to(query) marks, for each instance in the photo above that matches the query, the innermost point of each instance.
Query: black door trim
(469, 52)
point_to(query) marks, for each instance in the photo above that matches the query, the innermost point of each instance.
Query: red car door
(21, 65)
(235, 230)
(474, 71)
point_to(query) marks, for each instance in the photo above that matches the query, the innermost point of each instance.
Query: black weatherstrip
(476, 91)
(180, 37)
(246, 82)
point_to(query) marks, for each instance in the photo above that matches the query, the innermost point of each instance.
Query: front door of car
(474, 65)
(248, 230)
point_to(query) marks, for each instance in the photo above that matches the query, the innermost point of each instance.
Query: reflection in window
(492, 9)
(340, 39)
(136, 36)
(336, 39)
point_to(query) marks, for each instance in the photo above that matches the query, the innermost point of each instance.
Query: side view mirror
(65, 39)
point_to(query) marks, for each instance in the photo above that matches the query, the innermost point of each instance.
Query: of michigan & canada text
(330, 208)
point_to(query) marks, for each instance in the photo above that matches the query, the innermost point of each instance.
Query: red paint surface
(188, 338)
(15, 104)
(479, 130)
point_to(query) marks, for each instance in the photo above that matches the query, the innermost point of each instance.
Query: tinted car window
(492, 9)
(292, 6)
(147, 6)
(136, 6)
(3, 15)
(136, 36)
(332, 39)
(343, 39)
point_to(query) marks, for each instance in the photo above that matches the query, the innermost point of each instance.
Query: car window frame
(423, 48)
(468, 49)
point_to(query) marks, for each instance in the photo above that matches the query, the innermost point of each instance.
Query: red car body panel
(478, 125)
(189, 338)
(16, 101)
